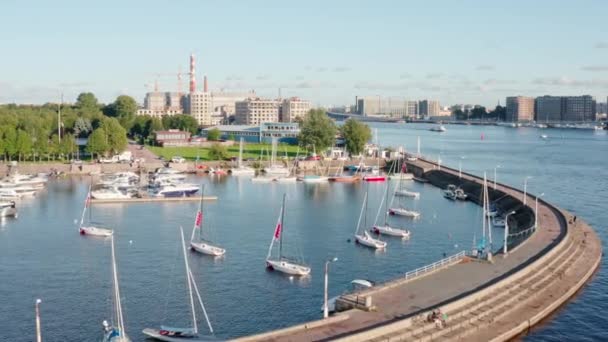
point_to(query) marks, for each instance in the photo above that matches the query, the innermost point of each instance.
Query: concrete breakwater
(484, 301)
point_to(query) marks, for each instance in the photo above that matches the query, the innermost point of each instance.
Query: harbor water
(42, 255)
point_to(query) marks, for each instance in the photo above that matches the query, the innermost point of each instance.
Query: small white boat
(177, 190)
(366, 240)
(190, 334)
(89, 228)
(404, 212)
(388, 230)
(177, 177)
(460, 194)
(544, 136)
(115, 332)
(262, 179)
(449, 194)
(277, 170)
(314, 179)
(8, 194)
(109, 193)
(201, 245)
(281, 263)
(407, 193)
(8, 209)
(402, 176)
(240, 169)
(439, 128)
(286, 179)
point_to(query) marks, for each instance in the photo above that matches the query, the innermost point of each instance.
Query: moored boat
(407, 193)
(90, 228)
(8, 209)
(177, 190)
(404, 212)
(365, 239)
(201, 245)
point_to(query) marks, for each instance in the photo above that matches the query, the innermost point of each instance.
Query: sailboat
(172, 334)
(275, 169)
(291, 176)
(385, 228)
(201, 245)
(89, 229)
(401, 191)
(365, 239)
(240, 169)
(282, 263)
(401, 211)
(115, 332)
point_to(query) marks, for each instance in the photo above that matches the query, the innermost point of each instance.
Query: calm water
(41, 254)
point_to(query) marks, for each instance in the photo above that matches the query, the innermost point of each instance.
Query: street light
(526, 188)
(460, 167)
(325, 307)
(38, 332)
(495, 167)
(536, 211)
(504, 249)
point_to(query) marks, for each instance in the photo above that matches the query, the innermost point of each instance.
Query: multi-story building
(565, 108)
(200, 107)
(293, 108)
(223, 103)
(158, 104)
(254, 111)
(411, 109)
(520, 108)
(392, 106)
(601, 108)
(428, 108)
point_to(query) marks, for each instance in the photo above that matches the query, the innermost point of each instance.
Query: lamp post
(460, 167)
(325, 307)
(38, 330)
(495, 167)
(505, 249)
(536, 211)
(526, 188)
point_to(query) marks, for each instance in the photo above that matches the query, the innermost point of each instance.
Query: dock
(154, 199)
(484, 300)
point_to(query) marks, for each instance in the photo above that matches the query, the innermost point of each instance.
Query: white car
(178, 159)
(412, 158)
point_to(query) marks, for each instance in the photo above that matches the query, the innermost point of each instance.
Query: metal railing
(432, 267)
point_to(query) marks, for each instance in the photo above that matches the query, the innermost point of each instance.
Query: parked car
(178, 159)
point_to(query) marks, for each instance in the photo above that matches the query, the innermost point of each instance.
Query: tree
(10, 142)
(41, 143)
(124, 109)
(116, 136)
(213, 134)
(479, 112)
(218, 152)
(68, 145)
(23, 144)
(500, 113)
(86, 101)
(82, 127)
(317, 130)
(97, 143)
(356, 135)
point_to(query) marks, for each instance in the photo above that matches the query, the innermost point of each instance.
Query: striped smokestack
(205, 85)
(192, 74)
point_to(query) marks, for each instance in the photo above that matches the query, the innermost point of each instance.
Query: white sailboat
(201, 245)
(365, 239)
(115, 331)
(240, 169)
(275, 169)
(281, 263)
(385, 228)
(172, 334)
(89, 228)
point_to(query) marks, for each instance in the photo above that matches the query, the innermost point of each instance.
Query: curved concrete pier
(484, 301)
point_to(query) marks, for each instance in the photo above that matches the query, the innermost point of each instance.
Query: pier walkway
(484, 301)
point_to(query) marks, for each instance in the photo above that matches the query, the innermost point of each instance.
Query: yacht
(19, 179)
(110, 193)
(7, 208)
(439, 128)
(177, 190)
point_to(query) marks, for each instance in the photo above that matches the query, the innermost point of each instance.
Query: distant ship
(439, 128)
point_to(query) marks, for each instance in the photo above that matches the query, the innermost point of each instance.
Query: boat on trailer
(201, 245)
(281, 263)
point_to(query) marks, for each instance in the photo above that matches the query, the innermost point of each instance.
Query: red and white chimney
(205, 85)
(192, 74)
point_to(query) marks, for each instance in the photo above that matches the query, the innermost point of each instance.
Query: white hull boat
(8, 209)
(262, 179)
(315, 179)
(95, 231)
(404, 212)
(206, 248)
(112, 193)
(407, 193)
(203, 246)
(288, 267)
(243, 171)
(368, 241)
(387, 230)
(170, 336)
(277, 170)
(286, 179)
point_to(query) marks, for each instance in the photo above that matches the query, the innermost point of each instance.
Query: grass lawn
(249, 151)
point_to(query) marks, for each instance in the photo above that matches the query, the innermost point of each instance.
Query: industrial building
(282, 131)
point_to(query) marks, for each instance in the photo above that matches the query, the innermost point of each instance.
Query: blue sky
(325, 51)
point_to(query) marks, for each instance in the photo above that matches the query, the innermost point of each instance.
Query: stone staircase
(467, 316)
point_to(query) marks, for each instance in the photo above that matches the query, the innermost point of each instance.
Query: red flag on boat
(199, 218)
(404, 168)
(277, 230)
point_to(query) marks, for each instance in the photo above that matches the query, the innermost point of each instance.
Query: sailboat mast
(240, 161)
(181, 230)
(386, 205)
(365, 219)
(196, 219)
(84, 210)
(484, 205)
(120, 321)
(361, 214)
(282, 228)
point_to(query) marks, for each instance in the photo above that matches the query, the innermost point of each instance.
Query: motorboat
(8, 194)
(314, 179)
(449, 194)
(110, 193)
(439, 128)
(18, 179)
(366, 240)
(242, 171)
(407, 193)
(403, 212)
(460, 194)
(388, 230)
(177, 190)
(544, 136)
(8, 209)
(176, 177)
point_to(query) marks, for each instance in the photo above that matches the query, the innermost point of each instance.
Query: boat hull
(205, 248)
(369, 242)
(262, 179)
(244, 171)
(374, 178)
(156, 334)
(287, 267)
(95, 231)
(403, 212)
(313, 180)
(345, 179)
(386, 230)
(286, 179)
(406, 193)
(8, 212)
